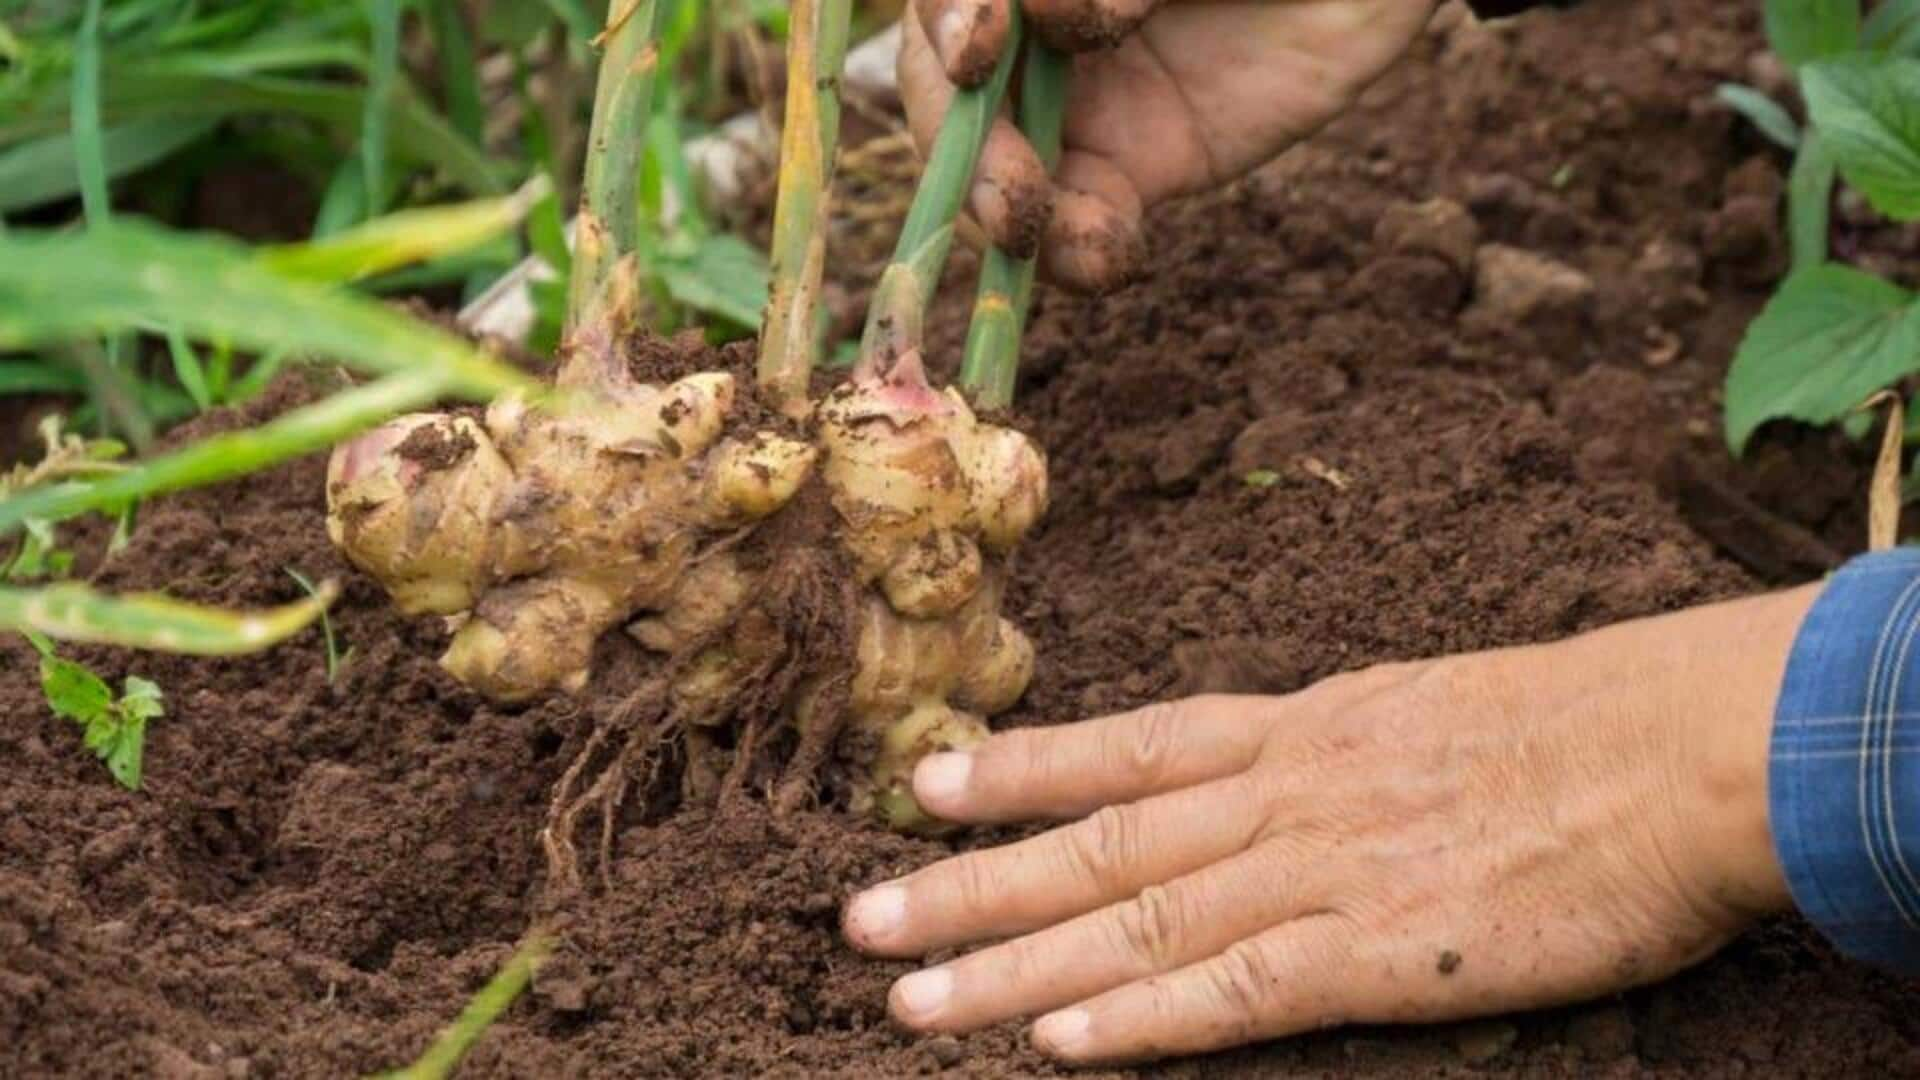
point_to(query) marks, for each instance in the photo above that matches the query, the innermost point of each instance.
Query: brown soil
(317, 876)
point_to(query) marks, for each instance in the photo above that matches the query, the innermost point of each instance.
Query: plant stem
(816, 48)
(1006, 283)
(906, 287)
(609, 226)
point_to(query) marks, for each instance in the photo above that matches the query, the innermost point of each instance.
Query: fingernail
(876, 916)
(951, 34)
(922, 994)
(941, 779)
(1062, 1032)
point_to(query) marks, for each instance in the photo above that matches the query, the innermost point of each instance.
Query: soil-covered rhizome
(317, 875)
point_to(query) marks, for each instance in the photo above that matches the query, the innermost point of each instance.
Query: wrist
(1736, 661)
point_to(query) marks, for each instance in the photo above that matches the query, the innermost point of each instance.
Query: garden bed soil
(1447, 451)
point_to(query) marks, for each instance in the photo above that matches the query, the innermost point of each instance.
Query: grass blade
(89, 156)
(130, 275)
(493, 999)
(385, 18)
(408, 236)
(47, 169)
(72, 612)
(223, 457)
(188, 369)
(459, 71)
(40, 377)
(417, 134)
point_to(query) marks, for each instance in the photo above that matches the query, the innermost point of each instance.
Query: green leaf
(1810, 201)
(141, 698)
(89, 154)
(408, 236)
(73, 612)
(443, 1057)
(221, 457)
(73, 691)
(1805, 30)
(40, 377)
(723, 275)
(46, 169)
(1829, 339)
(1893, 27)
(417, 134)
(384, 17)
(459, 71)
(188, 369)
(122, 745)
(1762, 112)
(1867, 110)
(63, 286)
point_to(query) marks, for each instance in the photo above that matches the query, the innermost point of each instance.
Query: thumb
(1086, 25)
(966, 34)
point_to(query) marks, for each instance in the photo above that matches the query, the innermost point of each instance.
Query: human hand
(1180, 96)
(1414, 842)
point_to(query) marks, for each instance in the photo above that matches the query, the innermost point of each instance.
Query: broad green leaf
(1810, 201)
(1829, 339)
(1806, 30)
(73, 612)
(73, 691)
(121, 742)
(63, 286)
(1867, 110)
(723, 275)
(45, 169)
(1894, 26)
(408, 236)
(1762, 112)
(142, 698)
(236, 453)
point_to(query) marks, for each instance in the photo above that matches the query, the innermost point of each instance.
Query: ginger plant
(815, 574)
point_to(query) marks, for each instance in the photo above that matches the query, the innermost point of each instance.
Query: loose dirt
(1310, 442)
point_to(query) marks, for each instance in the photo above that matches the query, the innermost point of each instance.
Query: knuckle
(1151, 927)
(1146, 748)
(1102, 844)
(976, 885)
(1244, 979)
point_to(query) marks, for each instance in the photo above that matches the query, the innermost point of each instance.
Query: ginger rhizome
(832, 568)
(536, 529)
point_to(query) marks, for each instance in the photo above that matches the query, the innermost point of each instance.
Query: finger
(1070, 770)
(1011, 196)
(1085, 25)
(967, 36)
(1160, 929)
(925, 90)
(1296, 977)
(998, 892)
(1094, 241)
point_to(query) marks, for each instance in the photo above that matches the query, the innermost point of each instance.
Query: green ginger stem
(1006, 283)
(810, 136)
(609, 225)
(906, 287)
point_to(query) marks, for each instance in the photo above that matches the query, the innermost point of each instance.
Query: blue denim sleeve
(1843, 783)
